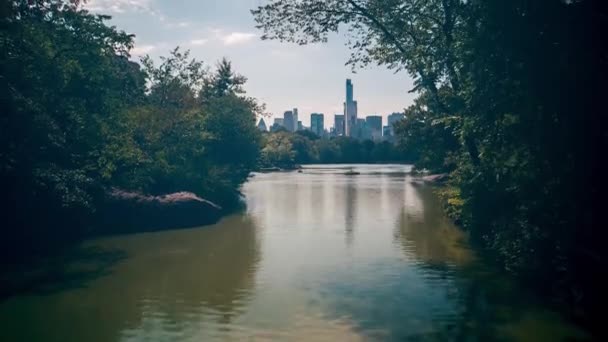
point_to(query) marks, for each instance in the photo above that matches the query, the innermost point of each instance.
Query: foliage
(63, 74)
(188, 135)
(78, 117)
(278, 150)
(285, 149)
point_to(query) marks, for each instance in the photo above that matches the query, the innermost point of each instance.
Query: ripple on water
(317, 256)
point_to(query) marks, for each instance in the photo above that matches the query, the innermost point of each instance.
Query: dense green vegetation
(286, 150)
(505, 103)
(79, 118)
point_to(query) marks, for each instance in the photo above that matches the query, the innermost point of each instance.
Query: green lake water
(315, 256)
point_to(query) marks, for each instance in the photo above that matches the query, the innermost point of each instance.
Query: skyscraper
(392, 119)
(350, 110)
(262, 125)
(386, 132)
(361, 131)
(374, 124)
(339, 124)
(277, 125)
(316, 123)
(295, 119)
(288, 121)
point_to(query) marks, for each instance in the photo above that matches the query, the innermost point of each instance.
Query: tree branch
(427, 82)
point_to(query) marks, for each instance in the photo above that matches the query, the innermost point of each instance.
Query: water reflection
(443, 292)
(425, 234)
(350, 201)
(317, 255)
(172, 281)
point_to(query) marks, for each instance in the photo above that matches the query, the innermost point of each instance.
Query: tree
(62, 85)
(223, 82)
(192, 134)
(175, 83)
(278, 150)
(79, 118)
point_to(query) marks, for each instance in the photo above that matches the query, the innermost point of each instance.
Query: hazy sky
(282, 75)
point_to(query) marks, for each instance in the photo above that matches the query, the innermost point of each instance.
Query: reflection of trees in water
(350, 206)
(448, 295)
(214, 269)
(485, 304)
(427, 235)
(445, 260)
(172, 278)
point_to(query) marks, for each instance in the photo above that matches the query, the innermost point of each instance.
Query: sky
(281, 75)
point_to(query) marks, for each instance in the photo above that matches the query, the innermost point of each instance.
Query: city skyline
(370, 127)
(349, 109)
(283, 76)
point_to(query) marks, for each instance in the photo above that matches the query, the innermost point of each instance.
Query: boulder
(438, 178)
(128, 212)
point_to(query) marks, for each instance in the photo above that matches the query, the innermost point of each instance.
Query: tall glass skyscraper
(374, 124)
(289, 122)
(339, 124)
(392, 119)
(350, 110)
(316, 124)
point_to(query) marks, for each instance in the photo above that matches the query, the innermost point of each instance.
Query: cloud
(119, 6)
(228, 38)
(134, 6)
(198, 42)
(179, 24)
(282, 52)
(236, 38)
(143, 50)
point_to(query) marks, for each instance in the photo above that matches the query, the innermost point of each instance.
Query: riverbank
(43, 268)
(282, 168)
(563, 296)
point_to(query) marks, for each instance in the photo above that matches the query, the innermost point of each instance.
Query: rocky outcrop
(435, 179)
(127, 212)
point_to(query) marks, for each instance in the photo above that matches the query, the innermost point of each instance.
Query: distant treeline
(509, 103)
(79, 118)
(285, 150)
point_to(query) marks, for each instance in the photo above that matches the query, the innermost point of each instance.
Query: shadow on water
(74, 268)
(442, 293)
(174, 285)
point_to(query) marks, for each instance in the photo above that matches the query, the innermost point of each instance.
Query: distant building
(339, 125)
(300, 126)
(277, 124)
(295, 119)
(316, 124)
(288, 121)
(386, 132)
(361, 131)
(262, 125)
(374, 124)
(350, 110)
(392, 119)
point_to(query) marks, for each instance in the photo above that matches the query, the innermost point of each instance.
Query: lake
(315, 256)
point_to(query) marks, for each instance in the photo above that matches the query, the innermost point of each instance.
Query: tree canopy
(286, 150)
(80, 118)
